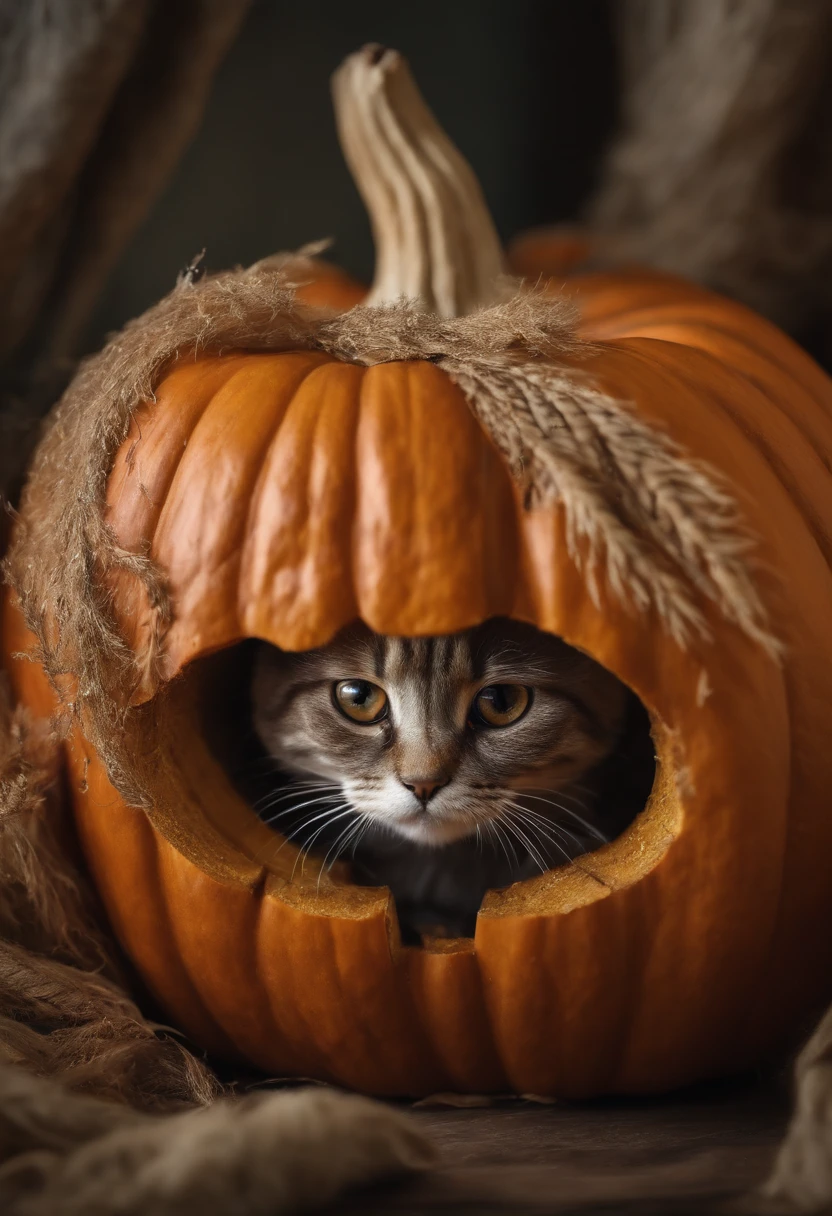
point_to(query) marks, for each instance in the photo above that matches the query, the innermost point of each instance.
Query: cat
(444, 765)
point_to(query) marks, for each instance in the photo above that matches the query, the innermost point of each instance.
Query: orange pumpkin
(284, 494)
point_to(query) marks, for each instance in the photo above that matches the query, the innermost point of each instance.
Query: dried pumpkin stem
(436, 244)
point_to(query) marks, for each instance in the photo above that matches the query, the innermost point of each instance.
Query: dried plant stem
(436, 244)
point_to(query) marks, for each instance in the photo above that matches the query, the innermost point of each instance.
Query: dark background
(525, 88)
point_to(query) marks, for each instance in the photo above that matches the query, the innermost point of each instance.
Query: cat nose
(423, 788)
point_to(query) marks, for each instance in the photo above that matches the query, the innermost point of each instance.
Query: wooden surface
(670, 1156)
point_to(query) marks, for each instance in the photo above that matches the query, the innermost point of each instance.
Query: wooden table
(670, 1156)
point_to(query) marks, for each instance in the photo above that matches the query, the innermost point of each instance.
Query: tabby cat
(448, 765)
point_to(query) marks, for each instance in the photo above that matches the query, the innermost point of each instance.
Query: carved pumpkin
(286, 491)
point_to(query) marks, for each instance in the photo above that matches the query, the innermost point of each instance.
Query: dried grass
(658, 526)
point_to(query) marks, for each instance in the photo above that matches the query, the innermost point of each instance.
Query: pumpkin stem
(436, 243)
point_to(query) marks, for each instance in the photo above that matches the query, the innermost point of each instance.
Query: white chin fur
(429, 832)
(401, 815)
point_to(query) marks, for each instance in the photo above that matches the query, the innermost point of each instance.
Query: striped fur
(512, 800)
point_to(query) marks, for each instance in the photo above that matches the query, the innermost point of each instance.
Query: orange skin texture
(326, 286)
(550, 253)
(288, 494)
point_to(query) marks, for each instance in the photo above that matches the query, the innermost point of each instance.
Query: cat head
(434, 737)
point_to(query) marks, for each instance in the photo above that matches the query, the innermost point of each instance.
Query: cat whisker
(584, 789)
(585, 824)
(329, 816)
(341, 843)
(303, 826)
(321, 801)
(537, 790)
(545, 822)
(286, 838)
(365, 822)
(589, 827)
(543, 833)
(299, 783)
(262, 812)
(290, 836)
(548, 848)
(364, 830)
(289, 810)
(344, 810)
(280, 795)
(347, 838)
(512, 827)
(495, 829)
(585, 843)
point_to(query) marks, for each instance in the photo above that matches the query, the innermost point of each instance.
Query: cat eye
(500, 705)
(360, 701)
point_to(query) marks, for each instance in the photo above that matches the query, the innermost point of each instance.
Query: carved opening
(215, 693)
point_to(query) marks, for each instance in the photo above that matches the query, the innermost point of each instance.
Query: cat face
(432, 738)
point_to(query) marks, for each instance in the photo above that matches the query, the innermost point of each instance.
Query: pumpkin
(288, 485)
